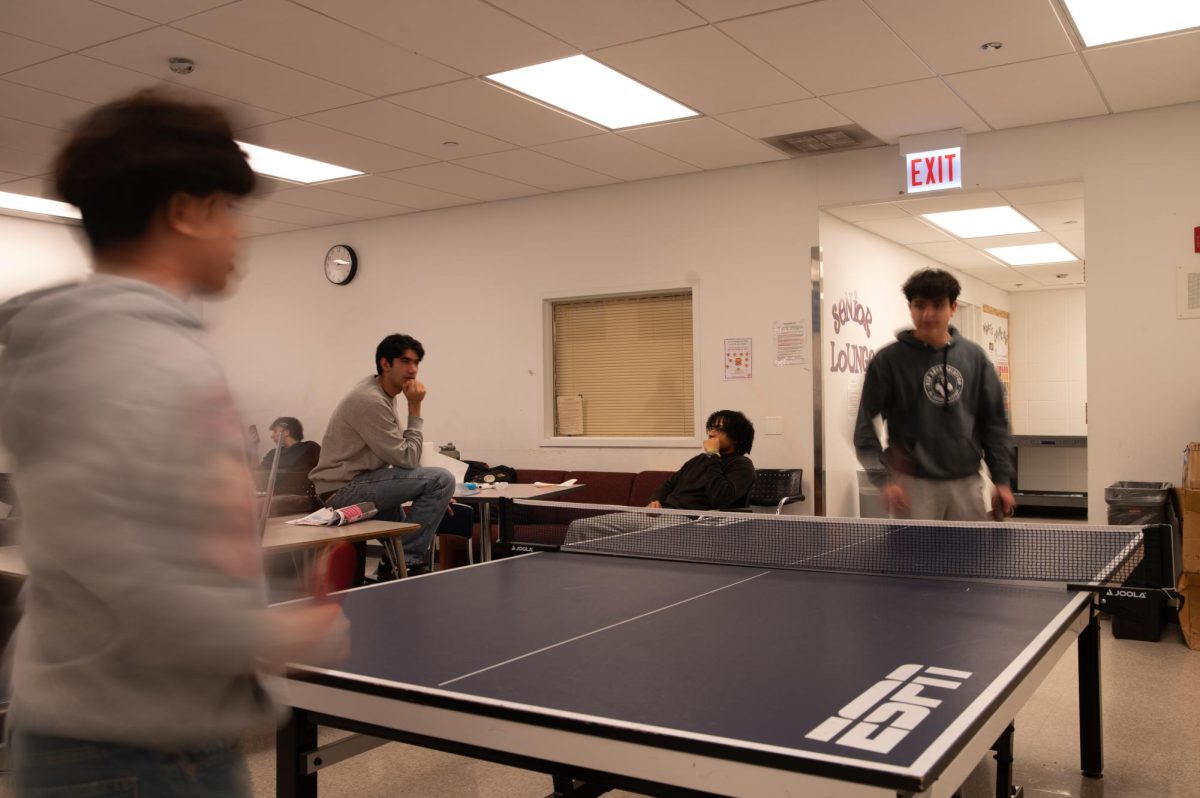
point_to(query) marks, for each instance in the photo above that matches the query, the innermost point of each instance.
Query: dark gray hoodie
(944, 410)
(140, 622)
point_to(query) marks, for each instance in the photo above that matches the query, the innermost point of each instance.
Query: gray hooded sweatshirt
(139, 622)
(944, 410)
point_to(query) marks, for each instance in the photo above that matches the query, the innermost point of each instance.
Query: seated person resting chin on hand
(719, 478)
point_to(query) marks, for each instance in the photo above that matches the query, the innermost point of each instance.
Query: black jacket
(708, 483)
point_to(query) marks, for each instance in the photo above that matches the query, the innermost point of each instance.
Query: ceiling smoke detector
(816, 142)
(181, 66)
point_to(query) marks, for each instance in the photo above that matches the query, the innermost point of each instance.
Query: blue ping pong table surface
(773, 667)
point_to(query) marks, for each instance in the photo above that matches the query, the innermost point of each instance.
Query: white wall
(868, 270)
(1140, 172)
(38, 254)
(468, 282)
(1048, 334)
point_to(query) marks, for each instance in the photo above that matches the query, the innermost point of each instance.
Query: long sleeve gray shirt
(364, 434)
(143, 606)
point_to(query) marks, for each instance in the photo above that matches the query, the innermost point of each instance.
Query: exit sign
(934, 170)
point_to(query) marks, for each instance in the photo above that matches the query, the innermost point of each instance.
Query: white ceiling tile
(1055, 216)
(9, 178)
(254, 226)
(922, 106)
(619, 157)
(293, 214)
(93, 81)
(1148, 73)
(23, 163)
(409, 130)
(1048, 273)
(904, 231)
(16, 52)
(225, 72)
(704, 69)
(947, 34)
(956, 255)
(489, 109)
(996, 274)
(462, 181)
(951, 202)
(328, 198)
(716, 10)
(332, 146)
(1047, 193)
(862, 213)
(1052, 89)
(590, 24)
(526, 166)
(466, 34)
(304, 40)
(705, 143)
(830, 46)
(165, 10)
(778, 120)
(398, 193)
(39, 107)
(1014, 240)
(41, 186)
(31, 138)
(1072, 240)
(69, 24)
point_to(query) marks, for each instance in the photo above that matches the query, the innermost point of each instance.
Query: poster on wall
(995, 343)
(791, 343)
(738, 357)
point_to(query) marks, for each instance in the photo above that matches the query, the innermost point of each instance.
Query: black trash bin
(1138, 613)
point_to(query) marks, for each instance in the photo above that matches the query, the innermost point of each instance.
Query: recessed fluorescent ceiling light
(1029, 254)
(1105, 21)
(292, 167)
(979, 222)
(46, 207)
(591, 90)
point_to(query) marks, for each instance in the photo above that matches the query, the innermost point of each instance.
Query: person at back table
(943, 405)
(367, 456)
(719, 478)
(296, 458)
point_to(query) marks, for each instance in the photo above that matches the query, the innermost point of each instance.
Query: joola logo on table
(886, 712)
(1126, 593)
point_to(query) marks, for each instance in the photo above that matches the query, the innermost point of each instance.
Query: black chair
(775, 487)
(462, 525)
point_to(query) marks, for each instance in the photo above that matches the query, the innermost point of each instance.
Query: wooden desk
(279, 536)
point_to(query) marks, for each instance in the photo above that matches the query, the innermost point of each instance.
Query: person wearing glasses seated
(296, 458)
(719, 478)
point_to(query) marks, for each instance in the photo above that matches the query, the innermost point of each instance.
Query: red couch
(623, 488)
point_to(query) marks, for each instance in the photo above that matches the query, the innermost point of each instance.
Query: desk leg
(1091, 725)
(396, 555)
(485, 531)
(292, 742)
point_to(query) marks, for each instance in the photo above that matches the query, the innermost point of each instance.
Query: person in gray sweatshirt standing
(367, 456)
(943, 405)
(135, 664)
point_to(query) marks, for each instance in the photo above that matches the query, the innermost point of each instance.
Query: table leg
(396, 555)
(292, 741)
(485, 531)
(1091, 722)
(1004, 766)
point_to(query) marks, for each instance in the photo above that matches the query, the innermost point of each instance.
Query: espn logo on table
(888, 710)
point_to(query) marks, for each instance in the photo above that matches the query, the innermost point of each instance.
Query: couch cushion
(644, 485)
(600, 487)
(539, 475)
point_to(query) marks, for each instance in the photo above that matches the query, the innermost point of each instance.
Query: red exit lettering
(928, 171)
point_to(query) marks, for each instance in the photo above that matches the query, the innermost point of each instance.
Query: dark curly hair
(126, 159)
(395, 346)
(290, 424)
(932, 284)
(736, 426)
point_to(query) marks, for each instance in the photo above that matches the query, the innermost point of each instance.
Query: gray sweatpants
(945, 499)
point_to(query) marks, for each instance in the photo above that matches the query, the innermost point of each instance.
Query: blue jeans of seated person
(429, 490)
(53, 766)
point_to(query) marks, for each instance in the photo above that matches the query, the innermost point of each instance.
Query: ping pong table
(708, 674)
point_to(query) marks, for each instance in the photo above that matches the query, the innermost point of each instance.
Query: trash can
(1138, 613)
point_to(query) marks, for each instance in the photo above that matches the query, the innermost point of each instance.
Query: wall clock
(341, 264)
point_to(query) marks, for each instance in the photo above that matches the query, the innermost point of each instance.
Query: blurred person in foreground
(135, 665)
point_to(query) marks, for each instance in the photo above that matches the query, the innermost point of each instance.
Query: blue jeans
(429, 490)
(59, 766)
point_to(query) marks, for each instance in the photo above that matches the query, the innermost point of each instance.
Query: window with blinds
(623, 366)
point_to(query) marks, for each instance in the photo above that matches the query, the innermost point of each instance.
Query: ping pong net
(1082, 557)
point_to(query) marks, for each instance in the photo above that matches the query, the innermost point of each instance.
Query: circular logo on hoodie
(943, 391)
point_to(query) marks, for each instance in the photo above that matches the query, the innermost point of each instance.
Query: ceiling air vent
(818, 142)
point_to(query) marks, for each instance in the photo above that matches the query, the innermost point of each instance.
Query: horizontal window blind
(630, 359)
